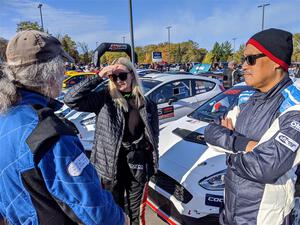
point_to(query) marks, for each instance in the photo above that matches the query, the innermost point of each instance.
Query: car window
(178, 90)
(149, 84)
(219, 105)
(202, 86)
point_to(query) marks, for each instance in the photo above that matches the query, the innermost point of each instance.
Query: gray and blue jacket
(45, 178)
(260, 185)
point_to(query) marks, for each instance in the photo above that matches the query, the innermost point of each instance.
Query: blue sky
(203, 21)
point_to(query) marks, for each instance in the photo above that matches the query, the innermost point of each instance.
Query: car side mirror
(171, 100)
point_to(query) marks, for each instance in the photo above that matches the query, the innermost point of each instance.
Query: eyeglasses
(251, 59)
(121, 76)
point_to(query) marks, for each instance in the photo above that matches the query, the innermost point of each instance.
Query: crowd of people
(46, 178)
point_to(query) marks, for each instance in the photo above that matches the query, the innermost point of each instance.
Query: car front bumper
(168, 212)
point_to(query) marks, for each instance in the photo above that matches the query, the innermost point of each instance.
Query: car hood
(181, 158)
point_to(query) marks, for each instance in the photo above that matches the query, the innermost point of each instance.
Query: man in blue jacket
(261, 136)
(45, 177)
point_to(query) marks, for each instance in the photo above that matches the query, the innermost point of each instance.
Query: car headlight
(214, 182)
(89, 121)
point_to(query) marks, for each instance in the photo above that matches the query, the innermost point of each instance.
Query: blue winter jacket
(45, 176)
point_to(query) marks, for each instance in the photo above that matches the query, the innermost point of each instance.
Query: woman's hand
(112, 69)
(106, 71)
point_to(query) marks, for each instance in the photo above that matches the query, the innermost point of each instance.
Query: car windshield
(219, 105)
(149, 84)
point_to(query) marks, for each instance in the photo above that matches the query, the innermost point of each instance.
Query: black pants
(136, 193)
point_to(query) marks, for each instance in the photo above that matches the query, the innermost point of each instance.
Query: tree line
(184, 52)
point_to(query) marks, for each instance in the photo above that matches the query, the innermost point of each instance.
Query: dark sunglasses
(251, 59)
(121, 76)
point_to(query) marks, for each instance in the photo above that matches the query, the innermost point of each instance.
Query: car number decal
(166, 112)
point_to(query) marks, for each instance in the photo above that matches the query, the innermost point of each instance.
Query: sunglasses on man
(251, 59)
(120, 76)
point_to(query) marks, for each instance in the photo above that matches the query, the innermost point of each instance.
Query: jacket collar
(278, 88)
(29, 97)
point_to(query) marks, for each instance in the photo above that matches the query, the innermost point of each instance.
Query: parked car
(75, 78)
(178, 72)
(178, 95)
(175, 95)
(143, 72)
(188, 188)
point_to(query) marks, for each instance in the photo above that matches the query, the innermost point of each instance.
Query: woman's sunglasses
(121, 76)
(251, 59)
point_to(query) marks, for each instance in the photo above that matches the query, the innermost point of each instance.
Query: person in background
(261, 136)
(125, 151)
(45, 176)
(231, 75)
(215, 67)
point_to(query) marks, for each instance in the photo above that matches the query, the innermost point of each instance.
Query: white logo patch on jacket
(287, 141)
(76, 167)
(295, 125)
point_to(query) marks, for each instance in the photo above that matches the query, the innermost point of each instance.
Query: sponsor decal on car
(166, 112)
(214, 200)
(287, 141)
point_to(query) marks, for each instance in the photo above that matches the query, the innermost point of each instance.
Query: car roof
(165, 77)
(80, 74)
(139, 70)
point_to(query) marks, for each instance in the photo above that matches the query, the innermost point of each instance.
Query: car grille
(171, 186)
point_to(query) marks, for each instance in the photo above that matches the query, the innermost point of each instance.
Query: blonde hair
(136, 86)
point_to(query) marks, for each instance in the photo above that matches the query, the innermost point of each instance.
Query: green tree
(296, 50)
(226, 51)
(209, 57)
(25, 25)
(3, 45)
(69, 46)
(141, 54)
(86, 55)
(109, 57)
(237, 56)
(183, 52)
(216, 52)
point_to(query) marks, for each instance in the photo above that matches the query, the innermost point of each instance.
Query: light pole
(123, 37)
(263, 14)
(131, 33)
(96, 44)
(40, 7)
(233, 44)
(169, 27)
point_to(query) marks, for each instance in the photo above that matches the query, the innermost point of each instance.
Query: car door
(203, 90)
(174, 100)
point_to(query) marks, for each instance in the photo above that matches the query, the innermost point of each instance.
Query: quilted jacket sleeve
(81, 97)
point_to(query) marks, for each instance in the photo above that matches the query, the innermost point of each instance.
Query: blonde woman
(125, 151)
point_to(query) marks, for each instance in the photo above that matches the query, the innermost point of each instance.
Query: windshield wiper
(191, 136)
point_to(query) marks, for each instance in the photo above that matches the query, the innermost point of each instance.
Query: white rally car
(188, 188)
(175, 95)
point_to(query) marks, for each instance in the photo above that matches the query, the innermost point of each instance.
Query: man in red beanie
(261, 136)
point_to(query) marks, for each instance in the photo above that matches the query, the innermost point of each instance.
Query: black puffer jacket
(110, 124)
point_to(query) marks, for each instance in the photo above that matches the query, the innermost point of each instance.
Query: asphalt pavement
(152, 218)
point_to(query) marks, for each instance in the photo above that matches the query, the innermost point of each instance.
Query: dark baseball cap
(32, 46)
